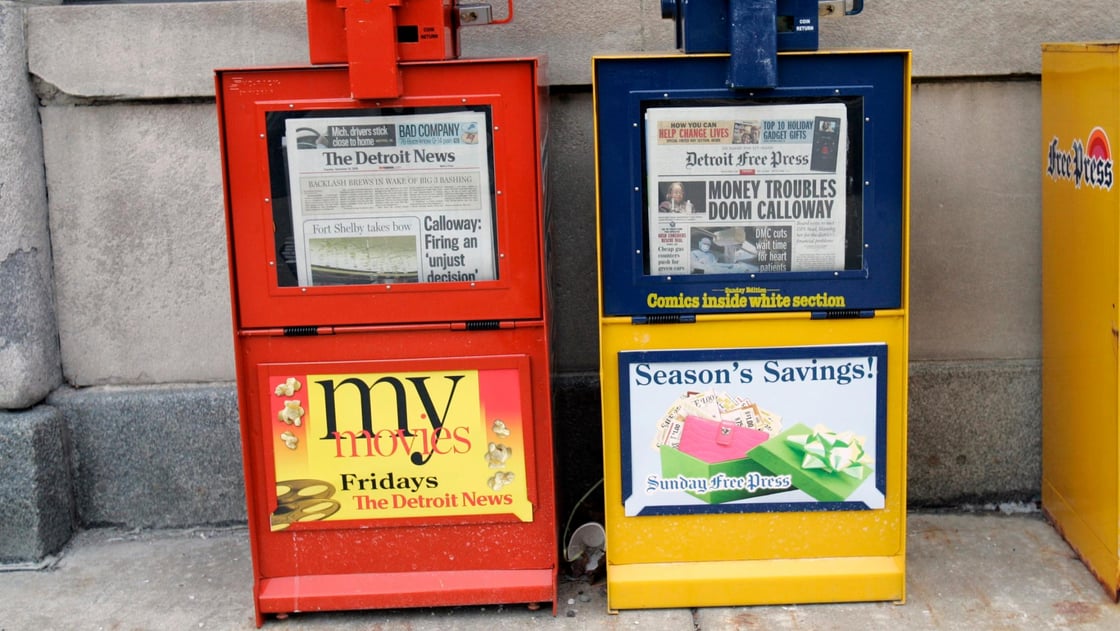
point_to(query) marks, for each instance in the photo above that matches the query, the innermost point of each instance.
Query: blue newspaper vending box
(824, 227)
(753, 268)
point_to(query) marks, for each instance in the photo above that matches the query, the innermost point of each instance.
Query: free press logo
(1089, 162)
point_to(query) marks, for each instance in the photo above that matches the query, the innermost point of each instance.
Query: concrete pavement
(985, 570)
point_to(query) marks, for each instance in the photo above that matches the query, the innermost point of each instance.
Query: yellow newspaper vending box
(753, 235)
(753, 328)
(1080, 294)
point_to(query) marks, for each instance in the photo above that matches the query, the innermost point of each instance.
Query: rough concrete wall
(129, 54)
(29, 356)
(976, 219)
(159, 51)
(154, 456)
(962, 38)
(38, 515)
(139, 241)
(974, 432)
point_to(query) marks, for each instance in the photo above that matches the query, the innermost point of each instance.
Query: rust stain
(936, 535)
(1077, 612)
(746, 620)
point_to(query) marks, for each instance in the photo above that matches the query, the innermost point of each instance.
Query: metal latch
(481, 14)
(664, 318)
(842, 314)
(832, 8)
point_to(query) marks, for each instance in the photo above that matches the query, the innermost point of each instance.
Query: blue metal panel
(798, 27)
(719, 26)
(704, 26)
(754, 44)
(872, 84)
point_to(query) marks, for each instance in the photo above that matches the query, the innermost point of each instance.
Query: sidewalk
(974, 571)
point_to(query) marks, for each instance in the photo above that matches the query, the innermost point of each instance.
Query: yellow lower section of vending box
(774, 556)
(770, 582)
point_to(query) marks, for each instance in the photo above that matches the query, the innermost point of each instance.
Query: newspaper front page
(391, 199)
(743, 189)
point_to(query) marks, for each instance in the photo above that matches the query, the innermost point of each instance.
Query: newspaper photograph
(391, 199)
(744, 189)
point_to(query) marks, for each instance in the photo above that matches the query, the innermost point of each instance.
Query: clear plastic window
(737, 187)
(383, 196)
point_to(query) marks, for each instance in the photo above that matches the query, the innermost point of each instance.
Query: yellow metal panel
(753, 536)
(721, 584)
(1080, 293)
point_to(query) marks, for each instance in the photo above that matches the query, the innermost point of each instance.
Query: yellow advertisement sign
(372, 446)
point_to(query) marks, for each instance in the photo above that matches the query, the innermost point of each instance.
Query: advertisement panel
(753, 429)
(350, 446)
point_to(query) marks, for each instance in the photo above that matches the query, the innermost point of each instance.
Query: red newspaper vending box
(391, 334)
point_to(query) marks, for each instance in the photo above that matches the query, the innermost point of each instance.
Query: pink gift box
(718, 441)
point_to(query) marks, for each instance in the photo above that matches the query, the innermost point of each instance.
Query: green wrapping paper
(676, 463)
(826, 465)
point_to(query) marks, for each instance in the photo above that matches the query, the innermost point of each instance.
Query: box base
(1099, 558)
(760, 582)
(398, 590)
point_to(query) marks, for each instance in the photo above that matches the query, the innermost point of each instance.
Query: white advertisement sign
(742, 430)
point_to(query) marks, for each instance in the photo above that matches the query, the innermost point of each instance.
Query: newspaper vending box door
(1080, 237)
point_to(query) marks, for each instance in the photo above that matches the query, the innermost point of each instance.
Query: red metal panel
(371, 48)
(406, 589)
(510, 88)
(326, 32)
(427, 28)
(435, 34)
(390, 561)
